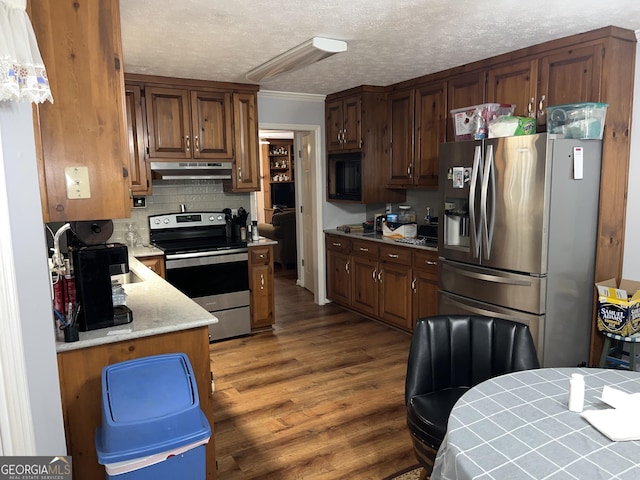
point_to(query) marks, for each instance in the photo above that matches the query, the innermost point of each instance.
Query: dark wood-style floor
(319, 397)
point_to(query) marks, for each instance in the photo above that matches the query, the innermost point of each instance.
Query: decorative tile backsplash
(168, 195)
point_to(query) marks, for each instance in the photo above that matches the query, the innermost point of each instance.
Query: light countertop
(378, 237)
(157, 308)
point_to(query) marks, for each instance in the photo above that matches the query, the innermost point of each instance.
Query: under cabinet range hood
(192, 170)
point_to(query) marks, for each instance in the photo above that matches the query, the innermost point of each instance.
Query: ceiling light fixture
(304, 54)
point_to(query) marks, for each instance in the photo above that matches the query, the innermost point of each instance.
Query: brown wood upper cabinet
(86, 126)
(246, 161)
(203, 120)
(362, 110)
(139, 172)
(344, 117)
(565, 75)
(189, 123)
(417, 125)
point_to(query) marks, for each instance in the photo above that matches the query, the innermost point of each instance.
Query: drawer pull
(335, 244)
(430, 262)
(261, 255)
(393, 255)
(362, 249)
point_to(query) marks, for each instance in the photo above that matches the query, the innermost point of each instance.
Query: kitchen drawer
(260, 255)
(425, 260)
(338, 243)
(395, 254)
(364, 248)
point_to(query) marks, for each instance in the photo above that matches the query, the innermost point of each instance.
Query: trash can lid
(149, 405)
(147, 388)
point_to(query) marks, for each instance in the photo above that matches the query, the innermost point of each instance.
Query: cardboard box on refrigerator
(619, 307)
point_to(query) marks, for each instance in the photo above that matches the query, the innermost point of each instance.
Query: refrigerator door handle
(493, 278)
(474, 229)
(487, 220)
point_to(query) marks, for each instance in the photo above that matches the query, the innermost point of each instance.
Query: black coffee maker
(93, 267)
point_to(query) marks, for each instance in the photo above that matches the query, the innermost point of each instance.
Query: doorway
(308, 204)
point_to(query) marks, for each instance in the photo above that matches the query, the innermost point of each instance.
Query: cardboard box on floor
(619, 307)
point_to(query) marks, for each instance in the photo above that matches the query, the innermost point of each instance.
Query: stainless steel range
(207, 265)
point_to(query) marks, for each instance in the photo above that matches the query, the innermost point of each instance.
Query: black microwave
(344, 176)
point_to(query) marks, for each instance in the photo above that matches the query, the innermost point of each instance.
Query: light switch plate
(77, 179)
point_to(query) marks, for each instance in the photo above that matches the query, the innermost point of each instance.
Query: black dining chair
(449, 354)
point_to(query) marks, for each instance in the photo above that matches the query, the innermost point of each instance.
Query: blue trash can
(152, 424)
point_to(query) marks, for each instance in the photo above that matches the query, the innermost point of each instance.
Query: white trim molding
(16, 423)
(293, 96)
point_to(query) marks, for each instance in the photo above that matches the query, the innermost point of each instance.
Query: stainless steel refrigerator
(517, 238)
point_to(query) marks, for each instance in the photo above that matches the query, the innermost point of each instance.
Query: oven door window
(204, 280)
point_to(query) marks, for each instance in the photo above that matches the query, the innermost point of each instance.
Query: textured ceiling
(388, 40)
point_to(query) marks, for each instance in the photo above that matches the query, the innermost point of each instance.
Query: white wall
(631, 264)
(30, 259)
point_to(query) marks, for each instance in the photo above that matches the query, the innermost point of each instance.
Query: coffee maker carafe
(94, 265)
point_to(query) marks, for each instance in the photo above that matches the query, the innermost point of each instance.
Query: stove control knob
(166, 220)
(212, 218)
(219, 218)
(157, 221)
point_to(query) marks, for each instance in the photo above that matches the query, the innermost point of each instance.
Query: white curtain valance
(22, 73)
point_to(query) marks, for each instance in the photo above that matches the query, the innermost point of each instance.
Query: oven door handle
(210, 253)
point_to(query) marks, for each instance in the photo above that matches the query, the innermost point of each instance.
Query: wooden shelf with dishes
(278, 171)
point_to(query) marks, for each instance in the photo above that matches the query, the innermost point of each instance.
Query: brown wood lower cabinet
(393, 283)
(155, 264)
(80, 373)
(261, 286)
(424, 287)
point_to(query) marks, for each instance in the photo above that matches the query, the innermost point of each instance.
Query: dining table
(518, 426)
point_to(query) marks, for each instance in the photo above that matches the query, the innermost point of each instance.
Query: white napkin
(620, 423)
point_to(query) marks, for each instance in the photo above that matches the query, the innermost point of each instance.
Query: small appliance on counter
(93, 267)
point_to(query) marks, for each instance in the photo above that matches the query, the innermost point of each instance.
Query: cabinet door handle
(373, 274)
(380, 276)
(346, 267)
(362, 249)
(339, 136)
(196, 143)
(393, 255)
(540, 117)
(239, 173)
(542, 99)
(530, 111)
(187, 143)
(409, 169)
(261, 281)
(413, 285)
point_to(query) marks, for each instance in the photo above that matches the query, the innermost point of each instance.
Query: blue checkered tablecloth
(518, 426)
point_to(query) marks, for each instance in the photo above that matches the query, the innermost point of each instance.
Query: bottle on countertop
(254, 231)
(427, 216)
(576, 392)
